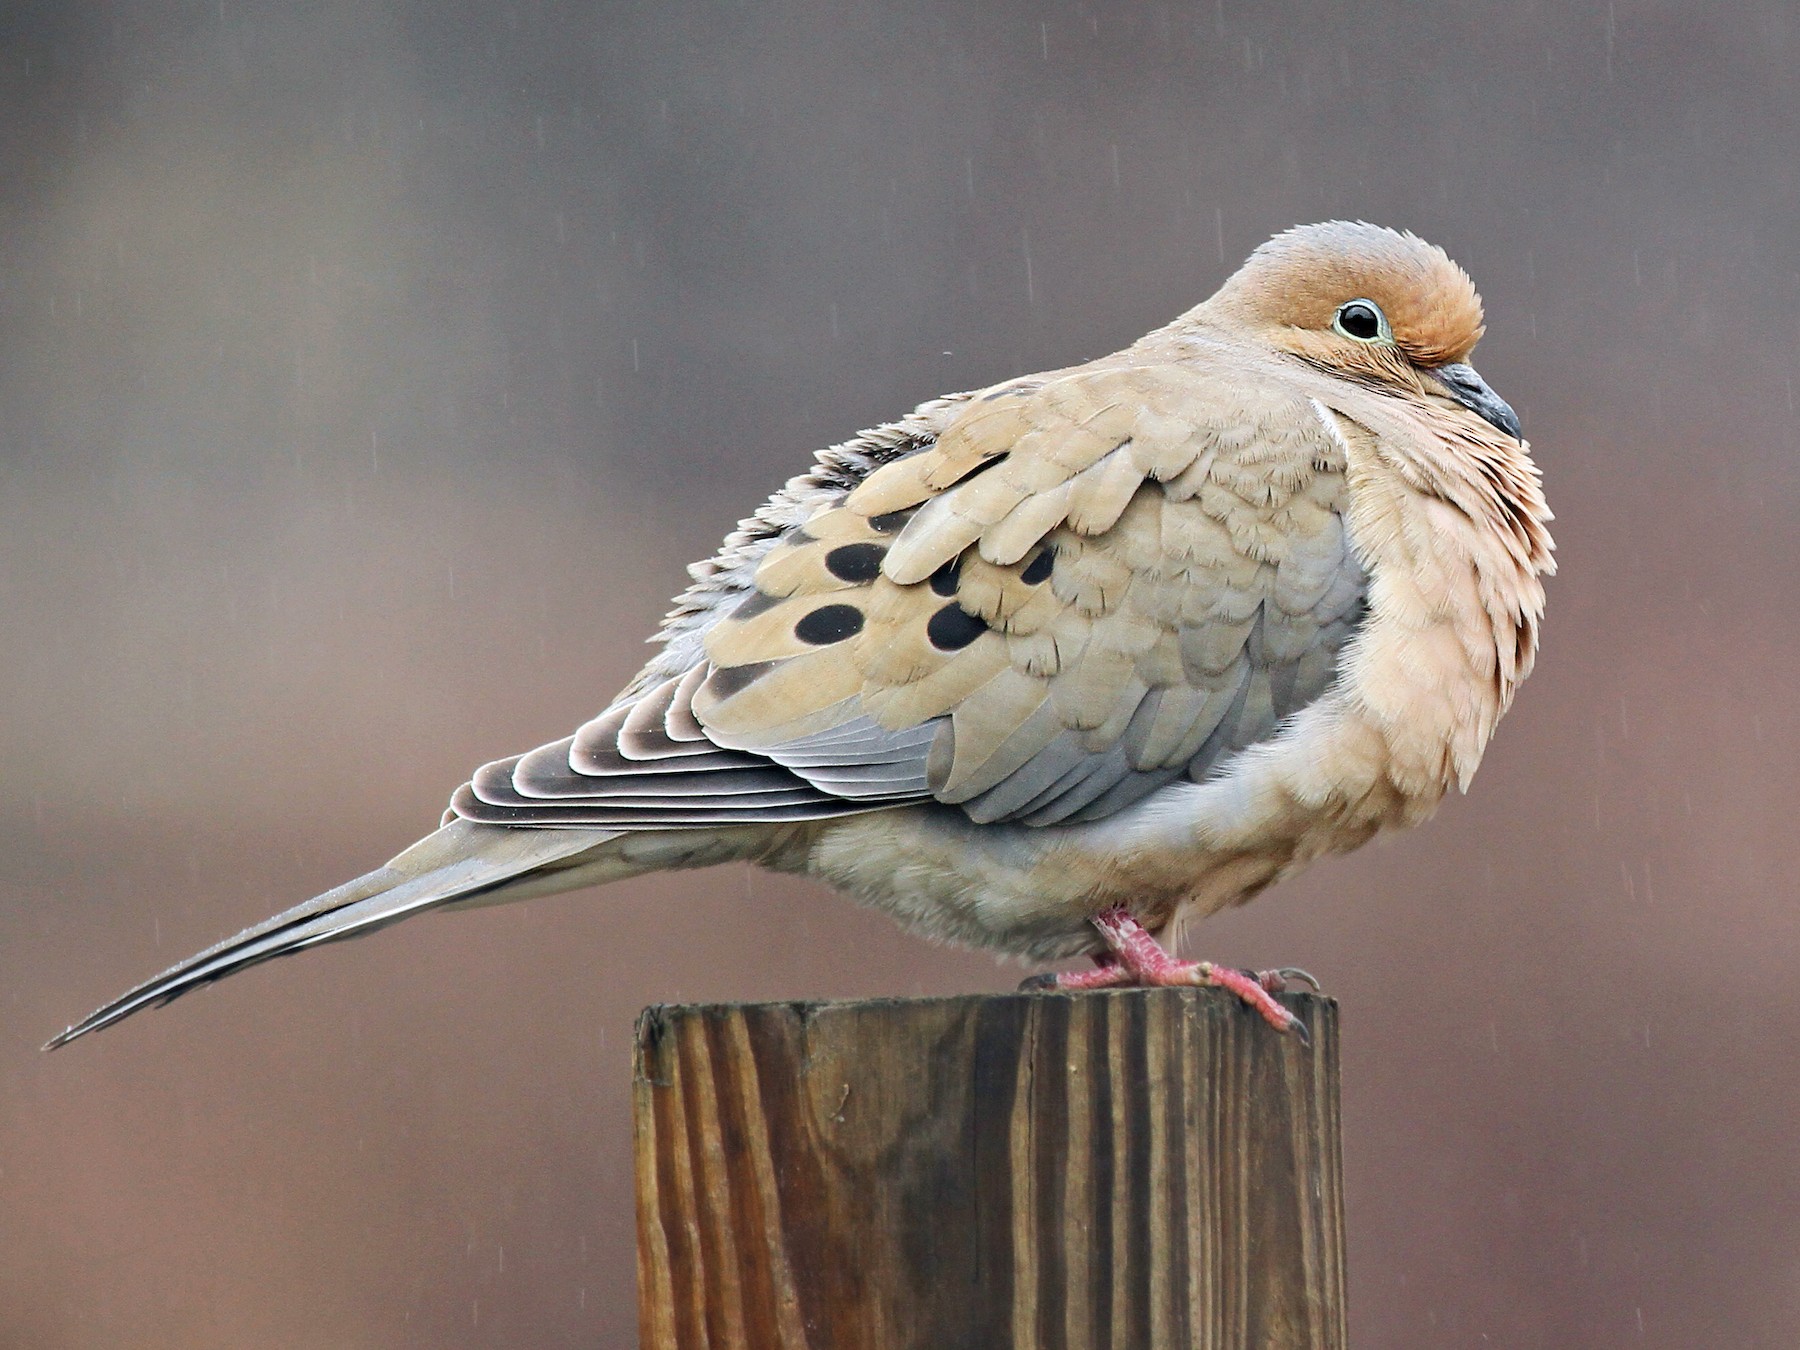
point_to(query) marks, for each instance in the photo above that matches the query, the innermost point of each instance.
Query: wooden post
(1139, 1170)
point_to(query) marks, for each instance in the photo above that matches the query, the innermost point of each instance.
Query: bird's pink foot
(1136, 959)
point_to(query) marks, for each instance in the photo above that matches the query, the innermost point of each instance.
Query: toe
(1295, 973)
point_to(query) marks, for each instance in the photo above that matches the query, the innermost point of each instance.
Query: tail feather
(459, 861)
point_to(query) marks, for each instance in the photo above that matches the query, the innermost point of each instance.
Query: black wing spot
(728, 680)
(893, 522)
(1037, 571)
(952, 628)
(855, 562)
(943, 581)
(828, 624)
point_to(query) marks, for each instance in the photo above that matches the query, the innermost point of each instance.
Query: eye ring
(1362, 321)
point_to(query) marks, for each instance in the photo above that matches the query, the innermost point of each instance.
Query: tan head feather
(1292, 288)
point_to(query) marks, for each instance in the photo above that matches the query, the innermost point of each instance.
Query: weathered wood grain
(1064, 1172)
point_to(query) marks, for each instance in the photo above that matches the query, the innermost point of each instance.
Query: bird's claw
(1135, 958)
(1275, 981)
(1252, 988)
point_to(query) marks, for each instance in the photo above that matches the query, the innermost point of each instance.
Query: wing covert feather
(1081, 590)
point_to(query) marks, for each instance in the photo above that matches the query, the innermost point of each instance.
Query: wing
(1082, 589)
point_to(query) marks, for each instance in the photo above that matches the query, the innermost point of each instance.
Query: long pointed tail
(459, 862)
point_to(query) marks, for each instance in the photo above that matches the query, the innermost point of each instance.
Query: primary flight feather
(1048, 667)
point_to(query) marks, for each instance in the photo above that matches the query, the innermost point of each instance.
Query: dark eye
(1360, 319)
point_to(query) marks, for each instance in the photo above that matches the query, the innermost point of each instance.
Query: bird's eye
(1362, 320)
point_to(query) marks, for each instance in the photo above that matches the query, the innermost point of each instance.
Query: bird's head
(1373, 305)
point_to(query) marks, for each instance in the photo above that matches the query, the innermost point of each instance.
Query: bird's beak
(1464, 384)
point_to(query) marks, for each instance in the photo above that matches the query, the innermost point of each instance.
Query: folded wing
(1082, 590)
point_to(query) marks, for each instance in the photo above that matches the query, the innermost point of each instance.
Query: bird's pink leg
(1108, 973)
(1135, 958)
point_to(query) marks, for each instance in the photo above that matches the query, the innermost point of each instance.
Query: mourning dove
(1046, 667)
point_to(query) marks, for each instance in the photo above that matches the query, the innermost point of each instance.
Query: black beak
(1464, 384)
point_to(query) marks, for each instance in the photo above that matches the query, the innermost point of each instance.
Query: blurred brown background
(369, 370)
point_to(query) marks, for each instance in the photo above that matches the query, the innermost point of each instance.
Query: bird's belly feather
(1321, 786)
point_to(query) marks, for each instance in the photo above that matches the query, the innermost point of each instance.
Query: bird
(1055, 667)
